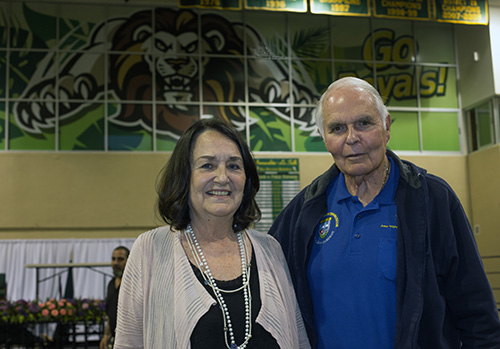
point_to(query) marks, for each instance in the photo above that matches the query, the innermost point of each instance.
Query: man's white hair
(355, 84)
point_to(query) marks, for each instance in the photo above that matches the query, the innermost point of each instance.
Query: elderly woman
(206, 280)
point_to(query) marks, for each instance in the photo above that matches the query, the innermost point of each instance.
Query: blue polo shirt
(352, 269)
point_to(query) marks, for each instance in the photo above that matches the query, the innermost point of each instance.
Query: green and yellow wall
(94, 95)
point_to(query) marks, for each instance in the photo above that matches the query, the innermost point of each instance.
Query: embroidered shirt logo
(326, 228)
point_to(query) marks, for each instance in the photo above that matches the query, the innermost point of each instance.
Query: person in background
(381, 252)
(206, 280)
(118, 262)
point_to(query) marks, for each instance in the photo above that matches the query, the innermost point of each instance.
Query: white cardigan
(161, 300)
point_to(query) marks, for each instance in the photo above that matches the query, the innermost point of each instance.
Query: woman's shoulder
(156, 235)
(263, 239)
(153, 244)
(258, 234)
(268, 252)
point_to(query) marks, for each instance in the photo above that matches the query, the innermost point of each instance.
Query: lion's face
(161, 58)
(176, 73)
(171, 68)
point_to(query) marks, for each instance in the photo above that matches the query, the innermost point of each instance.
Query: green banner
(280, 166)
(277, 5)
(215, 4)
(461, 11)
(341, 7)
(279, 183)
(410, 9)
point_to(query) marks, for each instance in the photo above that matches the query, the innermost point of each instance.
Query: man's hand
(104, 341)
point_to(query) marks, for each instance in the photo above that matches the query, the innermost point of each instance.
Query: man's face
(354, 132)
(118, 261)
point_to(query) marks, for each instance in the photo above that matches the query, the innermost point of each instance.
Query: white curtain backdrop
(88, 283)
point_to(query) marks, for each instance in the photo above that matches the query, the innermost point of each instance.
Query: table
(67, 266)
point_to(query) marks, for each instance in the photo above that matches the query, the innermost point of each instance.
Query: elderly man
(118, 261)
(381, 252)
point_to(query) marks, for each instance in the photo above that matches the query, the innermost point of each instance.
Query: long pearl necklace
(199, 257)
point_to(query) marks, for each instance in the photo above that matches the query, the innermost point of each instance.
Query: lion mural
(162, 60)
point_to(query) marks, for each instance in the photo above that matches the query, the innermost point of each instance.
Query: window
(481, 125)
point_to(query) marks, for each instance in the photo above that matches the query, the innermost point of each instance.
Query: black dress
(209, 332)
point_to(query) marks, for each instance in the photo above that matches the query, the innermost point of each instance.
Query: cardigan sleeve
(280, 314)
(129, 328)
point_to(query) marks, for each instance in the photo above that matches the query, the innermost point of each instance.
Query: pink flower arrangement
(63, 311)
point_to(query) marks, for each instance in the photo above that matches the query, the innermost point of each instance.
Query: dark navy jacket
(444, 299)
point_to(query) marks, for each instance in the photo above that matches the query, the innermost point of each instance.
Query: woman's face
(217, 177)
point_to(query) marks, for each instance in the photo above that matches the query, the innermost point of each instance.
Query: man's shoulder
(435, 186)
(320, 184)
(439, 187)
